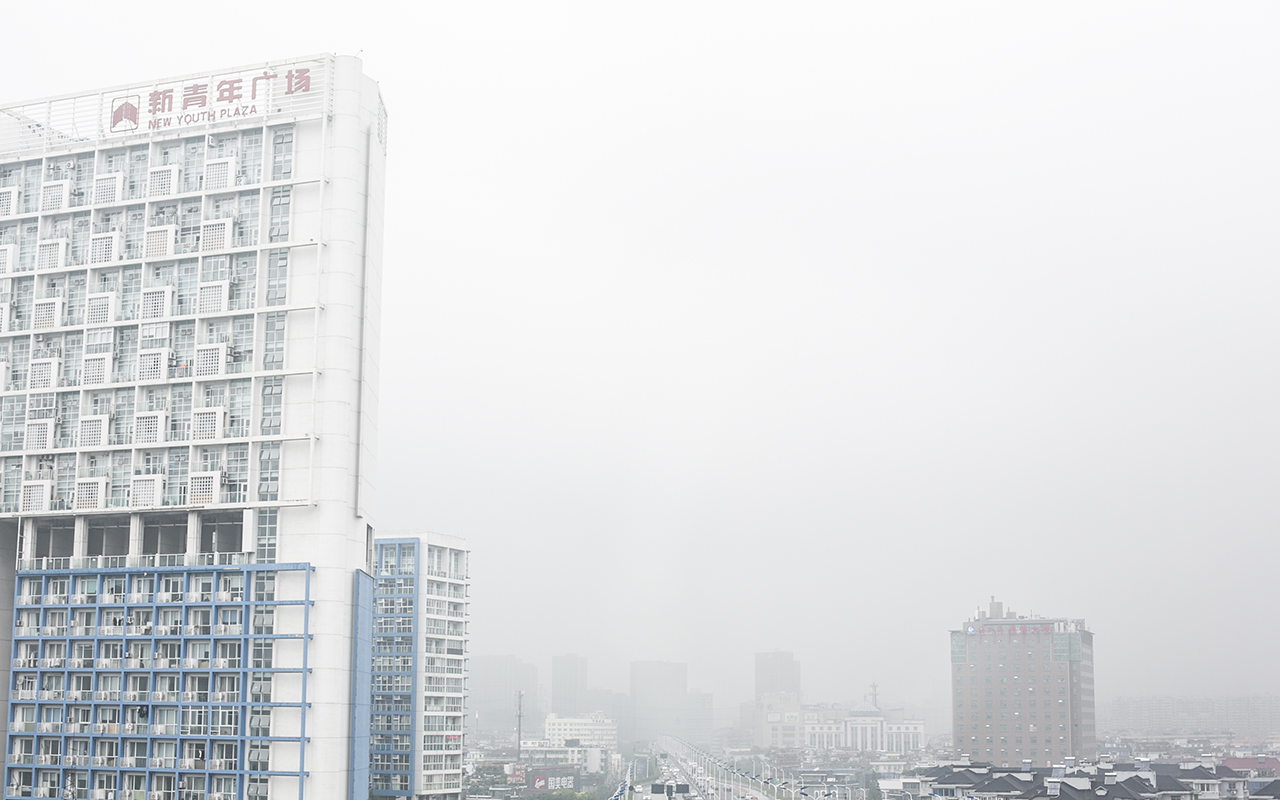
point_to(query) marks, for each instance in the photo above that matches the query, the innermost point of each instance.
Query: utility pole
(519, 721)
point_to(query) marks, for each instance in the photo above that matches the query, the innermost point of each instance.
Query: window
(277, 277)
(278, 231)
(272, 403)
(273, 341)
(269, 471)
(266, 541)
(282, 155)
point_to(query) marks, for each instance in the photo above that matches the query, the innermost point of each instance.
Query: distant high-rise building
(777, 673)
(1022, 688)
(659, 697)
(569, 686)
(616, 706)
(495, 682)
(699, 718)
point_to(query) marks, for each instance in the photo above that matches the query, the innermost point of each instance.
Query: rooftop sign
(166, 107)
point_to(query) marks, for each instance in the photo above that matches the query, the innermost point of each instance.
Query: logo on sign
(539, 782)
(124, 113)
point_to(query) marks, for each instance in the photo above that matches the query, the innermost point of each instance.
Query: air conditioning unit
(101, 308)
(96, 370)
(93, 431)
(8, 258)
(219, 697)
(147, 491)
(55, 195)
(99, 727)
(166, 597)
(211, 359)
(203, 487)
(224, 597)
(164, 181)
(80, 600)
(102, 695)
(153, 364)
(108, 188)
(52, 253)
(220, 173)
(157, 302)
(138, 597)
(106, 247)
(190, 663)
(10, 201)
(222, 663)
(37, 495)
(47, 313)
(212, 297)
(43, 373)
(91, 493)
(41, 434)
(189, 697)
(160, 241)
(149, 426)
(133, 697)
(207, 423)
(216, 235)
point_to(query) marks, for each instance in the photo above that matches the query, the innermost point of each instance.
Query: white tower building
(190, 272)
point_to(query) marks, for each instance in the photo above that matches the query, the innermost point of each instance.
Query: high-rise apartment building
(659, 699)
(569, 686)
(777, 673)
(1022, 688)
(420, 590)
(190, 273)
(503, 696)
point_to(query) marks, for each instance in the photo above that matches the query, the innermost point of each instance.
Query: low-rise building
(593, 730)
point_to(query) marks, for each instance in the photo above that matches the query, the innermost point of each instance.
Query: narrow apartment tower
(1022, 689)
(420, 587)
(190, 272)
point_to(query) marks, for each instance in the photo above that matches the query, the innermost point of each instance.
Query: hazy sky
(726, 327)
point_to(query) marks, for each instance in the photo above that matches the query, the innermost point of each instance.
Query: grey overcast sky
(726, 327)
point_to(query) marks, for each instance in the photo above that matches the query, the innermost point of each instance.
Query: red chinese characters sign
(217, 98)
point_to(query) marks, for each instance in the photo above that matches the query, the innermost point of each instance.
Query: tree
(872, 784)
